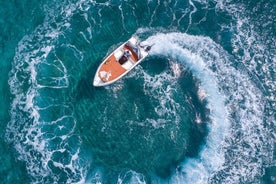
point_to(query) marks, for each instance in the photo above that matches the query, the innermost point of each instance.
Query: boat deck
(112, 69)
(133, 56)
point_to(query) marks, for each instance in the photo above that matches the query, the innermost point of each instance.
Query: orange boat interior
(112, 69)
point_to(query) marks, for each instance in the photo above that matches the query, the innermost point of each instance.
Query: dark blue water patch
(102, 1)
(117, 129)
(18, 20)
(12, 170)
(198, 110)
(155, 65)
(208, 21)
(269, 176)
(85, 88)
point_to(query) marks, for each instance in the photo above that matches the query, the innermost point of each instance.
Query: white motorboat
(120, 62)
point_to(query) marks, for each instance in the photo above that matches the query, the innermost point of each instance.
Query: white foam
(25, 130)
(254, 110)
(202, 94)
(201, 55)
(175, 67)
(131, 177)
(211, 157)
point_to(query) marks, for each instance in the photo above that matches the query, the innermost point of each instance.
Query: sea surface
(200, 109)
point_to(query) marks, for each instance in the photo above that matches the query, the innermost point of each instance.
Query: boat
(120, 62)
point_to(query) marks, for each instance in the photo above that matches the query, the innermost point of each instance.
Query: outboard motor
(148, 48)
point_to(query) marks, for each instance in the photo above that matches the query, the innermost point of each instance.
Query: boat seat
(128, 64)
(118, 54)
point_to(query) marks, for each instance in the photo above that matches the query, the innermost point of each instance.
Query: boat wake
(237, 130)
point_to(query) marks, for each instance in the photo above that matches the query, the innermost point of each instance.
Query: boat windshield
(134, 48)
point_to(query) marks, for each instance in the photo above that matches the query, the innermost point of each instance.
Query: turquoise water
(199, 109)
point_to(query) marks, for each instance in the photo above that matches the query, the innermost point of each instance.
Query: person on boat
(133, 46)
(127, 53)
(125, 57)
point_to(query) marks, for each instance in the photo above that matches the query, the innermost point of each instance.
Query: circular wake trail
(236, 105)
